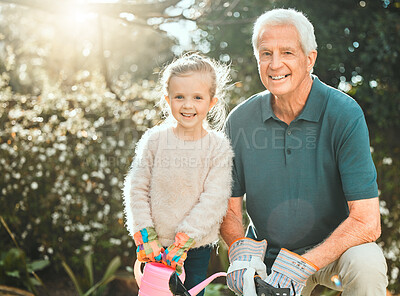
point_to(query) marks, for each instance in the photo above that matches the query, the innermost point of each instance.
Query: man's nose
(276, 61)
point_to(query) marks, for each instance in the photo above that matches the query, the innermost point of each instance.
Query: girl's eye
(179, 97)
(198, 98)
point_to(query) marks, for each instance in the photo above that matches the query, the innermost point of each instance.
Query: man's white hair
(282, 16)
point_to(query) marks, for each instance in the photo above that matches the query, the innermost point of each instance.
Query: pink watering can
(160, 280)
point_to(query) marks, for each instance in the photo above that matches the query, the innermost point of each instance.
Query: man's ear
(311, 58)
(212, 103)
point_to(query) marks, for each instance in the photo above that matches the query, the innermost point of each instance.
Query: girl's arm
(136, 187)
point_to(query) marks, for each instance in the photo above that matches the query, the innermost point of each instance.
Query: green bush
(63, 157)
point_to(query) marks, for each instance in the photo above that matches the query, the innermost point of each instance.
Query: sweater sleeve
(137, 184)
(213, 202)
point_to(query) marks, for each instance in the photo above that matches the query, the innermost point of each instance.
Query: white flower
(34, 185)
(61, 147)
(114, 181)
(115, 241)
(387, 160)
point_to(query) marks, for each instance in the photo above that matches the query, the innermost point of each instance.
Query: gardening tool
(158, 279)
(264, 289)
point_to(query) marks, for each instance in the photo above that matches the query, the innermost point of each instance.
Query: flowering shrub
(63, 158)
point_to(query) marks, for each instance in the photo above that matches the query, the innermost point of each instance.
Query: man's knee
(366, 256)
(364, 264)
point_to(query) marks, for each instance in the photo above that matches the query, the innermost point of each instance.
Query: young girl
(177, 189)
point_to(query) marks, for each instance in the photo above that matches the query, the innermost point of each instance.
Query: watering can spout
(177, 288)
(196, 289)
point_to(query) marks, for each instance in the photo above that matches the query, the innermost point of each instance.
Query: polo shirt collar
(266, 110)
(315, 103)
(312, 110)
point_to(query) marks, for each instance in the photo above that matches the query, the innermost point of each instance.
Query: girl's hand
(176, 253)
(149, 248)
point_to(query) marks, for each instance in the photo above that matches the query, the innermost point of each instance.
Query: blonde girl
(179, 183)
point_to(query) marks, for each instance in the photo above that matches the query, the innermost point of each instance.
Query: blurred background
(77, 90)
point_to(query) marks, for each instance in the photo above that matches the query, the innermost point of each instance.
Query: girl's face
(189, 100)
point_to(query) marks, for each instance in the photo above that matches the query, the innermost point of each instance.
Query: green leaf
(35, 282)
(72, 277)
(89, 267)
(14, 273)
(111, 269)
(37, 265)
(108, 275)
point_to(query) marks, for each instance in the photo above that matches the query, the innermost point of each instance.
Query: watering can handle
(137, 272)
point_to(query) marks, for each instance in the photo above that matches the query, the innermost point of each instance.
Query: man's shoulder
(340, 113)
(248, 106)
(339, 104)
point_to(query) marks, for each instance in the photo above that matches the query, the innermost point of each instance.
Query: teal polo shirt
(298, 178)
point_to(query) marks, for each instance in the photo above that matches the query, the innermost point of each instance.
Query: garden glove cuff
(149, 248)
(291, 270)
(176, 253)
(246, 258)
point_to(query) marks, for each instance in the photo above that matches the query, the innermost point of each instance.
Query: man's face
(283, 66)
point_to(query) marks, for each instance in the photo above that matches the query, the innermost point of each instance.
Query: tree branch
(107, 9)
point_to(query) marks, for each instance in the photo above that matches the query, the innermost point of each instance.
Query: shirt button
(289, 132)
(289, 151)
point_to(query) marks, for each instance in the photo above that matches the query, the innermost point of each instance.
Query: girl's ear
(212, 103)
(167, 99)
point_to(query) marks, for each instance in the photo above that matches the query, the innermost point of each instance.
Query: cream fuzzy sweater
(179, 186)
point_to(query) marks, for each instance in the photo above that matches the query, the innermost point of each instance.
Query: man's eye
(288, 52)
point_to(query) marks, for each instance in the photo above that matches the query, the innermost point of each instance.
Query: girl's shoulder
(219, 140)
(152, 137)
(156, 132)
(218, 135)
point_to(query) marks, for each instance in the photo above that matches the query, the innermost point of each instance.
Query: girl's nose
(187, 103)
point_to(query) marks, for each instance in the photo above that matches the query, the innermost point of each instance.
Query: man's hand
(290, 271)
(246, 258)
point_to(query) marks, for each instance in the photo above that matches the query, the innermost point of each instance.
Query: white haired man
(303, 160)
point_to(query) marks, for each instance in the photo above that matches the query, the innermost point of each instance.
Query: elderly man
(303, 160)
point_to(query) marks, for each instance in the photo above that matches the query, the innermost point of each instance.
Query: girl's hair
(282, 16)
(194, 62)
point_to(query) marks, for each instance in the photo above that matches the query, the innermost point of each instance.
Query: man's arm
(362, 226)
(232, 225)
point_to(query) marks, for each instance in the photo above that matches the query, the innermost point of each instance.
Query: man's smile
(279, 77)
